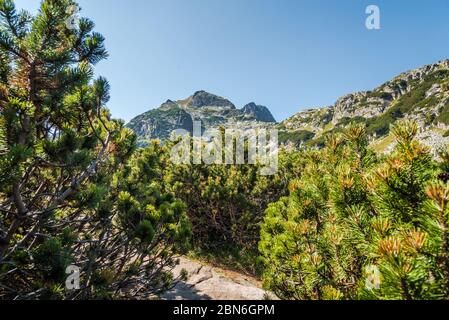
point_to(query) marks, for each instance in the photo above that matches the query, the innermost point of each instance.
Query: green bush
(73, 190)
(355, 226)
(226, 203)
(296, 137)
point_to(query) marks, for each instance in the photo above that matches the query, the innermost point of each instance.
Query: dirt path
(211, 283)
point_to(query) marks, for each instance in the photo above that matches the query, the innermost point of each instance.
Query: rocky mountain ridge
(421, 94)
(212, 110)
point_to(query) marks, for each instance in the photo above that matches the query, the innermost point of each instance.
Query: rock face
(202, 99)
(421, 95)
(213, 111)
(257, 112)
(210, 283)
(160, 123)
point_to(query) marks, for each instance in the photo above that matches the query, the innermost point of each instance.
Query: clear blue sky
(287, 55)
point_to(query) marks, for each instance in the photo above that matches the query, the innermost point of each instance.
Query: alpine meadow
(95, 208)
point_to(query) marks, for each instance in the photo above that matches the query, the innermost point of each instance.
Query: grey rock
(258, 112)
(212, 283)
(212, 110)
(160, 123)
(202, 99)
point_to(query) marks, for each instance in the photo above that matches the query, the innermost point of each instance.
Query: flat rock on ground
(206, 282)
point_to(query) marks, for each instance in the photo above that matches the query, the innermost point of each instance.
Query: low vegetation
(73, 188)
(335, 222)
(359, 226)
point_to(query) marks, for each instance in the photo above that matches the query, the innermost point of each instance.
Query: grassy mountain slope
(421, 94)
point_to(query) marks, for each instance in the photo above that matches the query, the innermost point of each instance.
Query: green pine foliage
(73, 190)
(335, 222)
(226, 204)
(358, 226)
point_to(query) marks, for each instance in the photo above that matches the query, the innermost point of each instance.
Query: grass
(296, 137)
(443, 117)
(381, 145)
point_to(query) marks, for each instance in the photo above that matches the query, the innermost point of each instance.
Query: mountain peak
(250, 105)
(260, 113)
(168, 104)
(202, 99)
(200, 92)
(212, 110)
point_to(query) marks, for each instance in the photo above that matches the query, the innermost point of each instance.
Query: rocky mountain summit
(421, 95)
(213, 111)
(260, 113)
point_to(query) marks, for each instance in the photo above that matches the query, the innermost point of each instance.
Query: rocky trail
(206, 282)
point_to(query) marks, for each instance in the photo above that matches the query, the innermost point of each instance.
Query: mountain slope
(421, 95)
(159, 123)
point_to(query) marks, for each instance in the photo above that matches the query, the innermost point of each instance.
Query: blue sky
(286, 54)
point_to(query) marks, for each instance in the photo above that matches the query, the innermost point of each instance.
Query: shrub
(226, 204)
(357, 227)
(72, 189)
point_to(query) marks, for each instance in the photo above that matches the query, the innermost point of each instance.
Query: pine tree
(71, 190)
(357, 226)
(308, 238)
(225, 204)
(405, 245)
